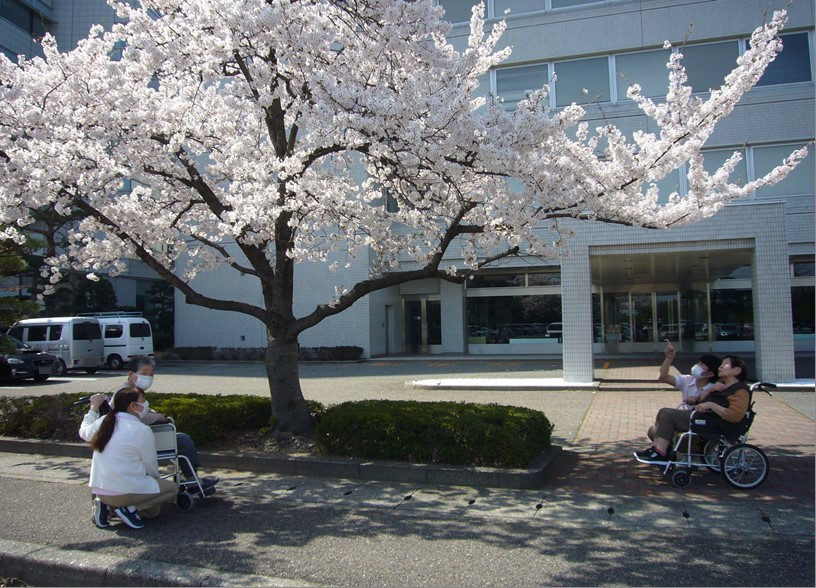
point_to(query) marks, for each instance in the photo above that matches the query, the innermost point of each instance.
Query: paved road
(375, 534)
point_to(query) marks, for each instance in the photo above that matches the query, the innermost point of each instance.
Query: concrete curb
(350, 469)
(39, 565)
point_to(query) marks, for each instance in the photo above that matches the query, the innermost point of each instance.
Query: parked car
(555, 330)
(19, 361)
(75, 340)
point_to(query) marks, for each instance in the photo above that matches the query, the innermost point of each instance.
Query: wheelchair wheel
(185, 501)
(744, 466)
(681, 478)
(711, 455)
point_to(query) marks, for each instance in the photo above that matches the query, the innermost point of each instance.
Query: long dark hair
(121, 401)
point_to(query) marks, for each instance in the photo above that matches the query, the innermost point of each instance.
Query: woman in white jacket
(124, 469)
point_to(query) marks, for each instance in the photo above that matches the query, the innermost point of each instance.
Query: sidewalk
(244, 535)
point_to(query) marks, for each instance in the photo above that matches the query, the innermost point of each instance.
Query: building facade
(741, 281)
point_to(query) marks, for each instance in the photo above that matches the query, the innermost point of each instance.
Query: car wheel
(115, 362)
(59, 368)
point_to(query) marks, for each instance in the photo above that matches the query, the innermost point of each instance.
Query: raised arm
(664, 375)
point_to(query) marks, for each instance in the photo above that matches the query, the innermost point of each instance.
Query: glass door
(617, 330)
(422, 325)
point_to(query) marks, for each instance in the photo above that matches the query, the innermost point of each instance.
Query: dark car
(19, 361)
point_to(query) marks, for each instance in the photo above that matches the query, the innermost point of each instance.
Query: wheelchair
(743, 466)
(164, 435)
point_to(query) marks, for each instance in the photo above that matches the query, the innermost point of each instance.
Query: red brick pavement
(600, 461)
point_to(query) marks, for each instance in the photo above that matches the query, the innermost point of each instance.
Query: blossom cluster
(284, 130)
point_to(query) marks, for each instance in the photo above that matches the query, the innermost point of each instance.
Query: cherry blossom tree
(262, 135)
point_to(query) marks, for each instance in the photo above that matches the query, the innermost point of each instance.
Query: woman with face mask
(124, 470)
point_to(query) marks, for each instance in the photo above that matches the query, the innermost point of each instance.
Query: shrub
(341, 353)
(435, 432)
(206, 418)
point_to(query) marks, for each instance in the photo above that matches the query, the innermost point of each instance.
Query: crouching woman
(124, 470)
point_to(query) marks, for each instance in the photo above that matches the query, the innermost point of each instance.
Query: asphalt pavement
(601, 518)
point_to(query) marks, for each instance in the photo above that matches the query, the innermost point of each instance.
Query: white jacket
(128, 464)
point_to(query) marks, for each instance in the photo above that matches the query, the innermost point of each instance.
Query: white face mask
(697, 371)
(143, 382)
(145, 407)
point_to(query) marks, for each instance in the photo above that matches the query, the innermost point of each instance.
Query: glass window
(713, 160)
(16, 13)
(799, 182)
(87, 331)
(568, 3)
(482, 91)
(544, 279)
(9, 53)
(618, 314)
(55, 333)
(802, 303)
(707, 65)
(498, 319)
(457, 10)
(732, 315)
(513, 82)
(792, 64)
(139, 330)
(648, 69)
(496, 281)
(670, 183)
(802, 269)
(16, 332)
(573, 77)
(694, 315)
(37, 333)
(516, 6)
(113, 331)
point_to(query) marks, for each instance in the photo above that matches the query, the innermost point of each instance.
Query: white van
(76, 341)
(125, 334)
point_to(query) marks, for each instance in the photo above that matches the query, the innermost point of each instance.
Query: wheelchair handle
(763, 386)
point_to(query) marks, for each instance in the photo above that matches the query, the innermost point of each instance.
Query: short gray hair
(138, 362)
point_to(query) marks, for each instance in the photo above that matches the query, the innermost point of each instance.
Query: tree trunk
(289, 412)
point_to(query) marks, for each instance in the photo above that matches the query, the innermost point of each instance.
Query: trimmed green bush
(430, 432)
(340, 353)
(206, 418)
(435, 432)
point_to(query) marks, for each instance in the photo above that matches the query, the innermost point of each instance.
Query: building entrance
(422, 325)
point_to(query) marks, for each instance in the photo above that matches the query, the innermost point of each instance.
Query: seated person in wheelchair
(140, 374)
(723, 406)
(124, 469)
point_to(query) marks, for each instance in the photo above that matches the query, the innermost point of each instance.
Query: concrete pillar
(576, 313)
(453, 317)
(770, 276)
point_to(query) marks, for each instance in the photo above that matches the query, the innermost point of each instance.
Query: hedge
(435, 432)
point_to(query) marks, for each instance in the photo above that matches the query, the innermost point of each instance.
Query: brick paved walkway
(601, 461)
